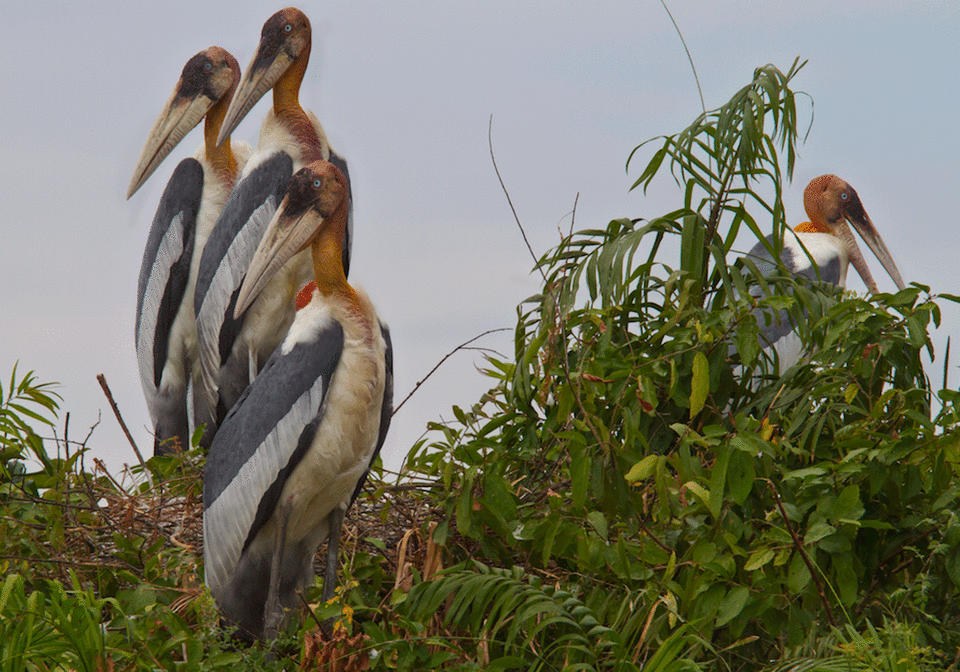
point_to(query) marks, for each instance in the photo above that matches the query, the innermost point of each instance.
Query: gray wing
(261, 441)
(224, 264)
(164, 276)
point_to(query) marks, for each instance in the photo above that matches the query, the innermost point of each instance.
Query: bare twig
(510, 201)
(462, 346)
(116, 411)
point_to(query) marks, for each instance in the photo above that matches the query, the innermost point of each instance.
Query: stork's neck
(327, 249)
(286, 105)
(221, 157)
(812, 227)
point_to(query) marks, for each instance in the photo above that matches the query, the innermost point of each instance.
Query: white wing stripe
(171, 249)
(210, 316)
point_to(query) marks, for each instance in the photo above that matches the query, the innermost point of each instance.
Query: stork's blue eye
(208, 66)
(317, 183)
(844, 196)
(287, 28)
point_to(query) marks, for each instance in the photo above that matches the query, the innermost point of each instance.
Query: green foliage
(641, 489)
(631, 458)
(518, 622)
(92, 581)
(24, 400)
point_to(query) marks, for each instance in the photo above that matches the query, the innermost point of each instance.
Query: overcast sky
(405, 92)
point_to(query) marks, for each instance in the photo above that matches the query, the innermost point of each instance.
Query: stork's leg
(333, 546)
(330, 568)
(272, 610)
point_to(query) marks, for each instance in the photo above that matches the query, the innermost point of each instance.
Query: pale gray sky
(405, 91)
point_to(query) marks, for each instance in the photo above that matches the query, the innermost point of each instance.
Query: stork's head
(284, 41)
(830, 204)
(315, 204)
(207, 79)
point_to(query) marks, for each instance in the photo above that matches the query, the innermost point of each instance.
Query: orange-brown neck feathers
(222, 157)
(286, 105)
(811, 227)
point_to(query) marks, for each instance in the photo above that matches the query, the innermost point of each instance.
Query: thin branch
(814, 573)
(510, 201)
(462, 346)
(311, 612)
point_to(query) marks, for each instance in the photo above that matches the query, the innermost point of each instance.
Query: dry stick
(446, 357)
(803, 554)
(116, 411)
(509, 201)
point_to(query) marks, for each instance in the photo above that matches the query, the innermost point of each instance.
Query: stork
(294, 451)
(166, 333)
(820, 249)
(232, 349)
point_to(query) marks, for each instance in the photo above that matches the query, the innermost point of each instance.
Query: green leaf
(798, 576)
(599, 523)
(465, 506)
(818, 531)
(699, 492)
(732, 605)
(580, 477)
(642, 470)
(700, 384)
(759, 558)
(718, 481)
(741, 475)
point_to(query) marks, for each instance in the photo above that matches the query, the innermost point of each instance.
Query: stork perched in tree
(821, 249)
(294, 451)
(166, 333)
(233, 347)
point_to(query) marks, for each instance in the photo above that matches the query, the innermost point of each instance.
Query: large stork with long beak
(166, 333)
(294, 451)
(821, 249)
(234, 346)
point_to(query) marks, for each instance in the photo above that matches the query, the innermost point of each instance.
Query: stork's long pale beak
(260, 76)
(180, 115)
(854, 213)
(311, 199)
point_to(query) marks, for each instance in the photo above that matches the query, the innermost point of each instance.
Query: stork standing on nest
(166, 332)
(294, 451)
(233, 346)
(821, 249)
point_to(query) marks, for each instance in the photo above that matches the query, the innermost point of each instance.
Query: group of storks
(246, 326)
